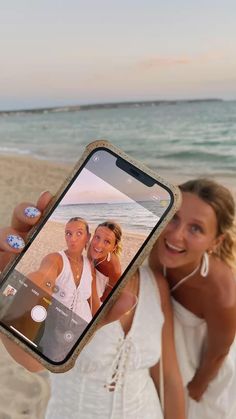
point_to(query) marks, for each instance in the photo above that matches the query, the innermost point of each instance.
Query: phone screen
(86, 244)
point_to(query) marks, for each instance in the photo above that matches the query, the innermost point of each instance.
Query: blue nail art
(16, 242)
(31, 212)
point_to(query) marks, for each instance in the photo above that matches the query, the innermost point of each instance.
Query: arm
(94, 299)
(49, 270)
(220, 316)
(112, 270)
(174, 404)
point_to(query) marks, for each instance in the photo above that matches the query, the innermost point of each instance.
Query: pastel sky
(90, 188)
(59, 52)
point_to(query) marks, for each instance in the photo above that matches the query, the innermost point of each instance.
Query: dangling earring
(205, 265)
(108, 256)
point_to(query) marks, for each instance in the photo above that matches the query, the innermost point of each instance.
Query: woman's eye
(68, 233)
(79, 233)
(174, 219)
(196, 228)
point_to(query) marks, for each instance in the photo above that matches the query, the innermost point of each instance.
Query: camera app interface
(79, 254)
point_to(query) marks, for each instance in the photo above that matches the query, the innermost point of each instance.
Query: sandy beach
(25, 395)
(23, 179)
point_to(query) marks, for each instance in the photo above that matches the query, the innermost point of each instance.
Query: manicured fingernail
(32, 212)
(16, 242)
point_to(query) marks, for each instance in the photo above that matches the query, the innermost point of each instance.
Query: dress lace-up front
(111, 378)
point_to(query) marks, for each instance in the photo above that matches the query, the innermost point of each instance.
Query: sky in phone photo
(77, 52)
(89, 188)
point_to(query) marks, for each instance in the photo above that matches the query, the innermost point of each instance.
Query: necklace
(79, 267)
(99, 262)
(185, 278)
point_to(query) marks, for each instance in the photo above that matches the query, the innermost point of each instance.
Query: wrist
(196, 389)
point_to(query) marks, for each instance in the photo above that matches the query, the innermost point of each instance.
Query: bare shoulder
(52, 259)
(115, 261)
(222, 283)
(112, 269)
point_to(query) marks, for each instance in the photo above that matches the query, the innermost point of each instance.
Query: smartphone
(90, 241)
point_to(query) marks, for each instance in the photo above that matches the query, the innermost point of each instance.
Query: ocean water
(183, 138)
(131, 217)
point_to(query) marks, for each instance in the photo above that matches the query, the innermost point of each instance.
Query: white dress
(219, 400)
(75, 298)
(53, 341)
(88, 390)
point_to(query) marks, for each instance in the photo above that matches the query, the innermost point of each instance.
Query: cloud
(165, 61)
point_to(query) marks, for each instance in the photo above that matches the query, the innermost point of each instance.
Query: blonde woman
(196, 254)
(104, 250)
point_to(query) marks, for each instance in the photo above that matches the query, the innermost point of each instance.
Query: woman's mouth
(173, 248)
(97, 251)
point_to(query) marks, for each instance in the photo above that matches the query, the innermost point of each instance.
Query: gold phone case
(145, 251)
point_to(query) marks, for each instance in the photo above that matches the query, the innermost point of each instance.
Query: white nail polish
(32, 212)
(16, 242)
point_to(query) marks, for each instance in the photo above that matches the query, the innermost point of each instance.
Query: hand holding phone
(21, 225)
(52, 297)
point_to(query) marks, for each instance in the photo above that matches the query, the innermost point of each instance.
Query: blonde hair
(82, 220)
(116, 229)
(222, 202)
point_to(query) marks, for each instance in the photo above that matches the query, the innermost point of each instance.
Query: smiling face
(76, 236)
(190, 233)
(103, 242)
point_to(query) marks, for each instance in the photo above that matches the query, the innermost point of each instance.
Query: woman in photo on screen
(67, 275)
(104, 251)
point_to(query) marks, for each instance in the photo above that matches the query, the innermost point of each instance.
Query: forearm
(174, 399)
(208, 369)
(20, 356)
(174, 406)
(94, 300)
(94, 305)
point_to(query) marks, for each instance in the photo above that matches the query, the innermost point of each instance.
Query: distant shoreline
(111, 105)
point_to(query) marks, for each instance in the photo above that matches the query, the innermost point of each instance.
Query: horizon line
(100, 105)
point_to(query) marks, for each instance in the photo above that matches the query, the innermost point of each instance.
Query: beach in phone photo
(52, 239)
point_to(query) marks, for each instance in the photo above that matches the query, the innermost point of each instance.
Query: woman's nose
(98, 244)
(178, 231)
